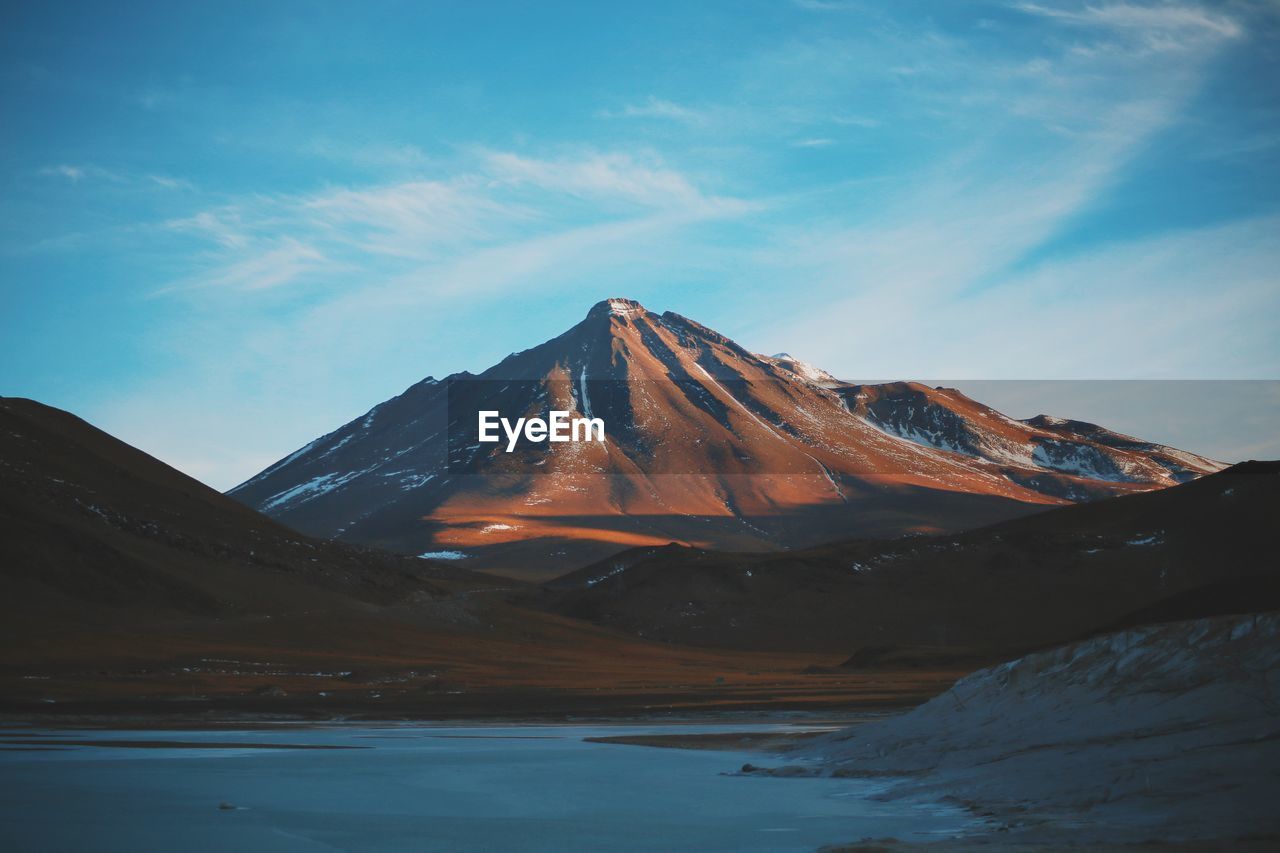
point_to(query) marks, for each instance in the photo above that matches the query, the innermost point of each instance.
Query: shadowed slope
(1197, 549)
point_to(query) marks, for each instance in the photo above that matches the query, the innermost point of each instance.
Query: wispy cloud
(856, 121)
(828, 5)
(656, 108)
(511, 209)
(1118, 312)
(75, 173)
(816, 142)
(71, 173)
(412, 219)
(942, 263)
(607, 177)
(221, 226)
(373, 155)
(274, 263)
(170, 183)
(1156, 26)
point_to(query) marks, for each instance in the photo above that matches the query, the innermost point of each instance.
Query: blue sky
(227, 228)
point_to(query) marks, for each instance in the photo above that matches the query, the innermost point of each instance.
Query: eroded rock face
(1168, 731)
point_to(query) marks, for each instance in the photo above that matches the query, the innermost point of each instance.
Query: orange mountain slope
(707, 444)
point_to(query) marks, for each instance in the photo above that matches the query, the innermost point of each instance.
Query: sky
(226, 229)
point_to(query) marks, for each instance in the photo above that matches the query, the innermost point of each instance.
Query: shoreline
(807, 719)
(764, 742)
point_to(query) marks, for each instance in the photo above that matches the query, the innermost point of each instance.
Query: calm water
(427, 788)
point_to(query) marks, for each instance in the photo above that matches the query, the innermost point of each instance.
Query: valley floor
(463, 658)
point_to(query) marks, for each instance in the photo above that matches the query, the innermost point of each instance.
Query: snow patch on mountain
(1081, 460)
(625, 308)
(300, 452)
(311, 489)
(803, 369)
(616, 570)
(584, 402)
(409, 482)
(342, 443)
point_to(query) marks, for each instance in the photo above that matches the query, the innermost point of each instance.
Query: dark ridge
(1258, 594)
(696, 329)
(1199, 549)
(1253, 466)
(689, 386)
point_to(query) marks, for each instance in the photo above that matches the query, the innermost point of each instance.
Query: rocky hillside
(1169, 732)
(1201, 548)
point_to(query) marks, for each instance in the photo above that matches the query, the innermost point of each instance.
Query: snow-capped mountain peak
(617, 306)
(707, 444)
(803, 369)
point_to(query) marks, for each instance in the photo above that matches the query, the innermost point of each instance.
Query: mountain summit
(708, 445)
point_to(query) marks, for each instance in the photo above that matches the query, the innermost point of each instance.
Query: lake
(424, 787)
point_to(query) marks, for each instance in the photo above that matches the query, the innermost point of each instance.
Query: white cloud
(511, 211)
(817, 142)
(919, 307)
(271, 264)
(657, 108)
(71, 173)
(827, 5)
(536, 263)
(281, 263)
(169, 183)
(75, 173)
(373, 155)
(1157, 26)
(612, 177)
(408, 219)
(223, 226)
(856, 121)
(925, 277)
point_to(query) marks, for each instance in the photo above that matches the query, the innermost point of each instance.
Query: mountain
(130, 588)
(1035, 452)
(91, 521)
(1199, 549)
(708, 445)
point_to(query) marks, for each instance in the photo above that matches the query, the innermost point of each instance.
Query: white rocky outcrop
(1163, 732)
